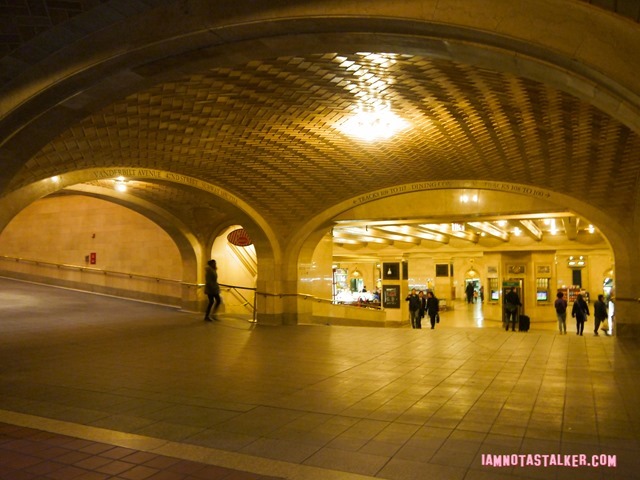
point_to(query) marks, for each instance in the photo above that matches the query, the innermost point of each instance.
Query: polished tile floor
(306, 402)
(27, 453)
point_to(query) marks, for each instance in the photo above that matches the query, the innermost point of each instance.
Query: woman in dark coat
(580, 312)
(212, 289)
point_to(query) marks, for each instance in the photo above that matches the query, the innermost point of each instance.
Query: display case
(573, 292)
(340, 283)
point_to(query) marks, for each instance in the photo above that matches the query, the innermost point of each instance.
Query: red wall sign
(239, 238)
(92, 258)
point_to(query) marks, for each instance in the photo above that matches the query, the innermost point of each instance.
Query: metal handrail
(235, 288)
(89, 269)
(81, 268)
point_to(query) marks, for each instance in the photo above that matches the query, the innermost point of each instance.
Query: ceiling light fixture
(373, 123)
(373, 118)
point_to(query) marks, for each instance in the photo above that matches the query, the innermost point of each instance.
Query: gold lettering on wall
(142, 173)
(452, 184)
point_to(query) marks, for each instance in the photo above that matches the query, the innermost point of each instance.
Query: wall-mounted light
(55, 179)
(591, 229)
(121, 184)
(576, 262)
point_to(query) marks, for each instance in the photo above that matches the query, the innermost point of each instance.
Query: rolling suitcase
(524, 322)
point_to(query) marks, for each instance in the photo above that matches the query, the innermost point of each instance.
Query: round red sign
(239, 238)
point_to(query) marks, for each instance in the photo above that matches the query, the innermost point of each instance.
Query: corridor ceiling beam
(398, 237)
(570, 225)
(492, 230)
(446, 229)
(416, 232)
(531, 229)
(358, 235)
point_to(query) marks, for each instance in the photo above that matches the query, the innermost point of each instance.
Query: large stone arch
(193, 252)
(180, 233)
(377, 204)
(73, 80)
(17, 200)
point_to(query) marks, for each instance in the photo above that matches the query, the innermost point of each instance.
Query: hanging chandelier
(373, 123)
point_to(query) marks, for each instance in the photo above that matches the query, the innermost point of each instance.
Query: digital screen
(542, 296)
(495, 295)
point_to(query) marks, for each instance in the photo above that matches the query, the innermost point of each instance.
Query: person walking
(580, 312)
(212, 289)
(433, 307)
(423, 306)
(511, 306)
(469, 291)
(561, 312)
(600, 313)
(414, 308)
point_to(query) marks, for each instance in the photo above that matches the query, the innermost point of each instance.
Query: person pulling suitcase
(511, 306)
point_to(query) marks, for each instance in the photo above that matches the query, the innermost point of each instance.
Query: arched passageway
(252, 102)
(532, 236)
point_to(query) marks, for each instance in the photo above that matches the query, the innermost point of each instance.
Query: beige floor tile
(386, 402)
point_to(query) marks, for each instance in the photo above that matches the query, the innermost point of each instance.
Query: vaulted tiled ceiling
(266, 131)
(23, 20)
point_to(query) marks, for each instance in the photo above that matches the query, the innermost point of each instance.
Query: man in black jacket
(511, 305)
(415, 304)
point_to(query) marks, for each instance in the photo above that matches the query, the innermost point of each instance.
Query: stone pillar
(394, 291)
(193, 298)
(627, 318)
(275, 298)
